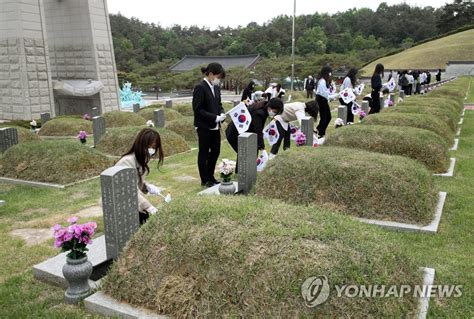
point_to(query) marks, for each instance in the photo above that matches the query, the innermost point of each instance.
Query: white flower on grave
(149, 123)
(33, 123)
(338, 123)
(226, 167)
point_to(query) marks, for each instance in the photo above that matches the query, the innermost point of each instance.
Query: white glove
(152, 189)
(220, 118)
(152, 210)
(265, 155)
(168, 198)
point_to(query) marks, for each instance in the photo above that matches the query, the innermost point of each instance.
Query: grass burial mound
(186, 109)
(248, 257)
(423, 121)
(184, 127)
(59, 162)
(117, 141)
(121, 119)
(65, 126)
(422, 145)
(170, 114)
(446, 116)
(355, 182)
(455, 107)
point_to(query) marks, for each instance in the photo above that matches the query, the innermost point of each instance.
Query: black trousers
(285, 136)
(325, 113)
(309, 94)
(375, 102)
(209, 150)
(350, 116)
(143, 217)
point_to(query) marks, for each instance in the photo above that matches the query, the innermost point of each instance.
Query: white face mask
(151, 151)
(216, 81)
(271, 113)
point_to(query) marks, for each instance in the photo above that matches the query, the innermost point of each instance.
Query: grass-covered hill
(430, 55)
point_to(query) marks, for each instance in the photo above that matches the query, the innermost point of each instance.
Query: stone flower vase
(77, 273)
(227, 187)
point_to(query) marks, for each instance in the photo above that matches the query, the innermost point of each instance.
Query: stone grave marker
(392, 98)
(45, 117)
(247, 161)
(382, 103)
(159, 118)
(120, 207)
(402, 94)
(98, 128)
(365, 107)
(235, 103)
(8, 138)
(342, 113)
(169, 104)
(307, 127)
(136, 108)
(95, 111)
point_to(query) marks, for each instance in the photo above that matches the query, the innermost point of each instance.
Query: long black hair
(312, 108)
(324, 74)
(379, 68)
(144, 139)
(214, 68)
(352, 74)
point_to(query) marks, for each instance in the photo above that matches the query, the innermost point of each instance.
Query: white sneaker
(321, 140)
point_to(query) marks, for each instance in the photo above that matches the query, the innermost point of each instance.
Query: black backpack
(403, 81)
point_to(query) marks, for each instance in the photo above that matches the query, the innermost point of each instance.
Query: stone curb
(450, 171)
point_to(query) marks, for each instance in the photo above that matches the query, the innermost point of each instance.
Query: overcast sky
(214, 13)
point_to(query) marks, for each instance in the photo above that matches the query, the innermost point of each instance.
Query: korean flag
(270, 132)
(347, 95)
(241, 117)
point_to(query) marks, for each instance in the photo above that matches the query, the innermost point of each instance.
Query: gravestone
(169, 104)
(45, 117)
(8, 138)
(247, 161)
(159, 118)
(365, 107)
(307, 127)
(342, 113)
(120, 207)
(136, 108)
(392, 98)
(98, 128)
(95, 112)
(382, 103)
(235, 103)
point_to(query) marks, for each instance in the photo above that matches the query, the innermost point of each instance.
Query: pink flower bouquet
(74, 238)
(82, 136)
(300, 138)
(362, 115)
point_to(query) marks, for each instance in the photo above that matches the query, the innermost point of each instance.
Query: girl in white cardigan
(147, 144)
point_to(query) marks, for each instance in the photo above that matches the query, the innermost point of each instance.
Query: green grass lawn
(449, 251)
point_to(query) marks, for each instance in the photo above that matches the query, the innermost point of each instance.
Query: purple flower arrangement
(362, 115)
(74, 238)
(300, 138)
(82, 137)
(87, 117)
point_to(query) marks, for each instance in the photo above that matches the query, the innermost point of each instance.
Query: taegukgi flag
(241, 117)
(390, 85)
(270, 132)
(358, 90)
(347, 95)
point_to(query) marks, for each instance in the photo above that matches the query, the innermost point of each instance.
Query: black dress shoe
(210, 184)
(203, 183)
(215, 181)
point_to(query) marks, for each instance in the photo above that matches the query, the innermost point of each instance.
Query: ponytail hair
(214, 68)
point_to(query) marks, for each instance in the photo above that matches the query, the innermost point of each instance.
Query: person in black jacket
(376, 83)
(259, 113)
(208, 116)
(438, 75)
(309, 87)
(247, 93)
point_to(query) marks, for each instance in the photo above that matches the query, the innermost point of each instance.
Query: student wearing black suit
(259, 112)
(438, 75)
(208, 116)
(376, 83)
(247, 93)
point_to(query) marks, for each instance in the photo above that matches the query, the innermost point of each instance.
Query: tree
(313, 41)
(455, 15)
(239, 76)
